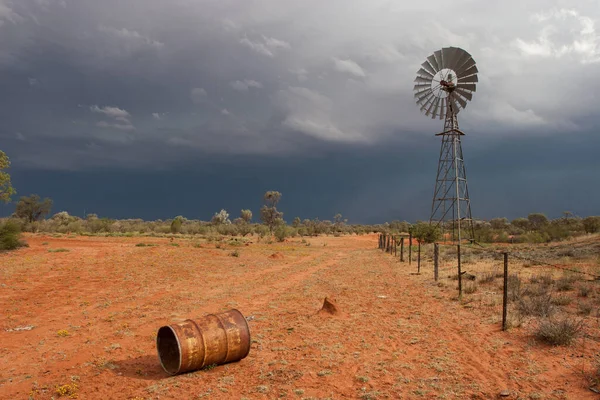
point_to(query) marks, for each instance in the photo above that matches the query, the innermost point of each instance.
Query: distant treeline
(30, 216)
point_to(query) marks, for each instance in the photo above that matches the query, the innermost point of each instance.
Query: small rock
(505, 393)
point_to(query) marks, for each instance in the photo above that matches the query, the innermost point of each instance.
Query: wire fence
(509, 285)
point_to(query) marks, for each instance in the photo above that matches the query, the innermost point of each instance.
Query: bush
(10, 236)
(176, 225)
(584, 290)
(283, 231)
(545, 279)
(558, 332)
(514, 287)
(487, 277)
(470, 287)
(562, 300)
(540, 306)
(564, 284)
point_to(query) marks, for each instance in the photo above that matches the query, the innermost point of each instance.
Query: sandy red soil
(397, 336)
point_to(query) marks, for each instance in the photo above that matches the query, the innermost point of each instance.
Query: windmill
(444, 84)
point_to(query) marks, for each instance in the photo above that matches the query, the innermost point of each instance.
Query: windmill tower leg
(451, 201)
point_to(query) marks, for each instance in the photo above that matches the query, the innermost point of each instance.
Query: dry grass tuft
(558, 332)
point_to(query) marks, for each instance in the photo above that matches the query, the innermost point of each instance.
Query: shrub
(558, 332)
(283, 231)
(470, 287)
(10, 236)
(514, 287)
(584, 308)
(536, 290)
(176, 225)
(234, 253)
(562, 300)
(540, 306)
(584, 290)
(564, 284)
(487, 277)
(545, 279)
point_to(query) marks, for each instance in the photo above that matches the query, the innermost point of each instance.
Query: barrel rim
(247, 330)
(178, 349)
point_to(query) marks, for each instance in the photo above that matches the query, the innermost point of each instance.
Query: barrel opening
(169, 351)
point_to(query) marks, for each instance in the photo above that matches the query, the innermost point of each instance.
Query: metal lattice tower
(451, 201)
(443, 86)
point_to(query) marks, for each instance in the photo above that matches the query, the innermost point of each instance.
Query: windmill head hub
(445, 82)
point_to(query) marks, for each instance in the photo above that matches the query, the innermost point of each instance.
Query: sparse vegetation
(558, 332)
(10, 233)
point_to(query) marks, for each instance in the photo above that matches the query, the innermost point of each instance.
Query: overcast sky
(231, 98)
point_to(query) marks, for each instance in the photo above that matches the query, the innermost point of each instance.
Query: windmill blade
(443, 109)
(435, 109)
(428, 68)
(455, 106)
(425, 73)
(464, 93)
(420, 79)
(450, 56)
(464, 60)
(461, 57)
(467, 86)
(426, 103)
(471, 71)
(433, 101)
(469, 78)
(462, 70)
(459, 99)
(433, 63)
(439, 59)
(423, 95)
(419, 87)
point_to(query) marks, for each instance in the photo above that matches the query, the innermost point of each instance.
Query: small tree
(220, 218)
(176, 224)
(425, 232)
(6, 189)
(297, 222)
(339, 222)
(537, 221)
(268, 213)
(499, 223)
(32, 208)
(521, 223)
(591, 224)
(246, 215)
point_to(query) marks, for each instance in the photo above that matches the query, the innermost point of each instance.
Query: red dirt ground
(398, 338)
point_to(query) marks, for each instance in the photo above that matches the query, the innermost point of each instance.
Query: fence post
(383, 242)
(409, 248)
(505, 292)
(395, 247)
(402, 249)
(387, 245)
(379, 241)
(459, 272)
(419, 257)
(436, 260)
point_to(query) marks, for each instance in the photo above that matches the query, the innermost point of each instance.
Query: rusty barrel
(213, 339)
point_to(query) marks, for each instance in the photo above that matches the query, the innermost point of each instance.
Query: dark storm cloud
(257, 77)
(286, 88)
